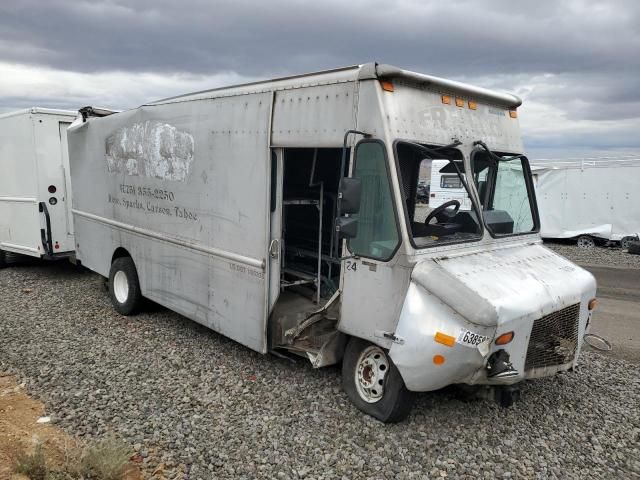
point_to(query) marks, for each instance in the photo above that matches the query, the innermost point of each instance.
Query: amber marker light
(473, 105)
(513, 114)
(446, 99)
(438, 359)
(445, 339)
(459, 102)
(593, 303)
(387, 86)
(504, 338)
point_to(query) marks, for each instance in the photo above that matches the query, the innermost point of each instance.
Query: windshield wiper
(493, 156)
(433, 153)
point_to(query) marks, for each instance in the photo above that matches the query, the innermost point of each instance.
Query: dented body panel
(487, 293)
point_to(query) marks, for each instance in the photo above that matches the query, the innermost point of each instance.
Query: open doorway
(310, 271)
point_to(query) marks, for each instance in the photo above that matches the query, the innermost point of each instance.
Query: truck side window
(377, 228)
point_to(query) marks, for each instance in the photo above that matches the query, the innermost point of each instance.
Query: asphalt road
(617, 317)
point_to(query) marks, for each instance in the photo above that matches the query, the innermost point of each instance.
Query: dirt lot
(19, 430)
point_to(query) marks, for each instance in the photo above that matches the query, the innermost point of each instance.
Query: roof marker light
(446, 99)
(513, 113)
(459, 102)
(387, 86)
(472, 105)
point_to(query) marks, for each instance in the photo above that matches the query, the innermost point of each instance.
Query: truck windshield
(437, 203)
(504, 188)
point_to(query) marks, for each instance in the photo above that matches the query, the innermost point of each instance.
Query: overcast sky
(575, 63)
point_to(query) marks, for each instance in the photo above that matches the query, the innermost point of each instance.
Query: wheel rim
(584, 242)
(121, 286)
(371, 369)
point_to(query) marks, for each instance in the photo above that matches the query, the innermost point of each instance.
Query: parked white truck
(589, 200)
(281, 214)
(35, 187)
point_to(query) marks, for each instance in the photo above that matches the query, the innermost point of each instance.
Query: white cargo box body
(34, 161)
(599, 198)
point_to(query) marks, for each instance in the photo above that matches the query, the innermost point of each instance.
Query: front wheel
(124, 287)
(372, 382)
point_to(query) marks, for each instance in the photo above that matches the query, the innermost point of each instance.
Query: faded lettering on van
(248, 271)
(150, 149)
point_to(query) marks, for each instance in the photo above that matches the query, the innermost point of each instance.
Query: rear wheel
(3, 259)
(626, 241)
(373, 383)
(585, 241)
(124, 287)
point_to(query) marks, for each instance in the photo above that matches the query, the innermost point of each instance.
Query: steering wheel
(441, 209)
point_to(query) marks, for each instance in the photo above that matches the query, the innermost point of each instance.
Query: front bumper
(539, 347)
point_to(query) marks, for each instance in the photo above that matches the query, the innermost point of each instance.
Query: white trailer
(283, 215)
(588, 200)
(35, 187)
(446, 186)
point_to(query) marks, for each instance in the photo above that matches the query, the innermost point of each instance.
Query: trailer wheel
(3, 259)
(585, 241)
(634, 247)
(626, 241)
(372, 382)
(124, 287)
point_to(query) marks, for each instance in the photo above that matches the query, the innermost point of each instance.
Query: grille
(554, 338)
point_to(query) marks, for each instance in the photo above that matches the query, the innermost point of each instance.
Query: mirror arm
(343, 163)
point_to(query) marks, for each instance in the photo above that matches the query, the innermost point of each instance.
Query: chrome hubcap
(371, 369)
(121, 286)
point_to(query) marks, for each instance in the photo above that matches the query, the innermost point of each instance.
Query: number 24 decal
(351, 265)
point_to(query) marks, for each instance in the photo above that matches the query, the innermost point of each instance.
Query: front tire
(124, 287)
(372, 382)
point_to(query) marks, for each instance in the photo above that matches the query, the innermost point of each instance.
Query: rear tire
(634, 247)
(3, 259)
(626, 241)
(372, 382)
(586, 242)
(124, 287)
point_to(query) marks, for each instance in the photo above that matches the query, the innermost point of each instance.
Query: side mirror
(347, 227)
(350, 193)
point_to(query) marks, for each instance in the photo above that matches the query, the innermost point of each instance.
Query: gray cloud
(574, 58)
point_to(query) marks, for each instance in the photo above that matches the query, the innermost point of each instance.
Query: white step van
(35, 187)
(283, 215)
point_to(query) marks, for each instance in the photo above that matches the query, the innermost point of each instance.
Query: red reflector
(52, 189)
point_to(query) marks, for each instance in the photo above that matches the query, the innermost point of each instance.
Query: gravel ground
(201, 406)
(606, 256)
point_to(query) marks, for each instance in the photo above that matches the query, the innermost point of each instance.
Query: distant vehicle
(283, 214)
(35, 187)
(589, 201)
(446, 186)
(422, 192)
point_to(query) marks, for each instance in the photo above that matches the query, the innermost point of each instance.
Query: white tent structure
(589, 199)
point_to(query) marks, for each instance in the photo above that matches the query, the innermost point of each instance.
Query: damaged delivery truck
(35, 188)
(283, 215)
